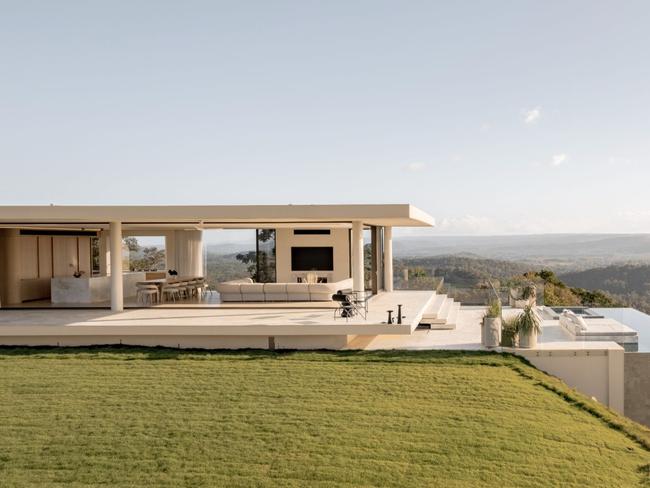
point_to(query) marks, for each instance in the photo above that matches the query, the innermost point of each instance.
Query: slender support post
(358, 283)
(117, 287)
(388, 258)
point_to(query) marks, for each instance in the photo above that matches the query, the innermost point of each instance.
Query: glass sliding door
(265, 255)
(376, 259)
(373, 257)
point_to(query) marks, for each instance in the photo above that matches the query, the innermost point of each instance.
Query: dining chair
(147, 294)
(171, 290)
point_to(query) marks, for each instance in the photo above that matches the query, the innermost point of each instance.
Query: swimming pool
(586, 312)
(633, 319)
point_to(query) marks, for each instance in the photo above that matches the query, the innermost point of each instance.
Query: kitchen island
(91, 289)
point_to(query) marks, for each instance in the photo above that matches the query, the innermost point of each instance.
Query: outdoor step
(444, 312)
(449, 320)
(452, 318)
(433, 310)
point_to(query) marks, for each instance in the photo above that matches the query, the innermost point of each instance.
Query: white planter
(491, 332)
(528, 341)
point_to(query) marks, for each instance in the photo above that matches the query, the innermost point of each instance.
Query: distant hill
(629, 283)
(229, 248)
(562, 252)
(615, 279)
(460, 270)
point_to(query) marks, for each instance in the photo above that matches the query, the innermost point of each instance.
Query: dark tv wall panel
(311, 232)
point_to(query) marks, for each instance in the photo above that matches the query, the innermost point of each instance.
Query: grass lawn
(165, 418)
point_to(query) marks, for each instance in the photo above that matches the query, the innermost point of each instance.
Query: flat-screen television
(312, 259)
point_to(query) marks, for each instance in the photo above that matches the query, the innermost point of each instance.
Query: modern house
(64, 257)
(46, 251)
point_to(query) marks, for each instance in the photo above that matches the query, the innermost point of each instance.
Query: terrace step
(444, 311)
(433, 310)
(441, 315)
(452, 318)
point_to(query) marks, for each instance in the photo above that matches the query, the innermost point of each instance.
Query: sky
(495, 117)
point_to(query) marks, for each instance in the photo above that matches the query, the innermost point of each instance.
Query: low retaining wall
(598, 373)
(637, 386)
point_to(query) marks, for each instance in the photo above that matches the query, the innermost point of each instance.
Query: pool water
(584, 311)
(634, 319)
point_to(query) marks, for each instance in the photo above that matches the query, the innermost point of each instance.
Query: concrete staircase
(441, 314)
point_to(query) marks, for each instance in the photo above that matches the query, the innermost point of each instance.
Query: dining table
(160, 282)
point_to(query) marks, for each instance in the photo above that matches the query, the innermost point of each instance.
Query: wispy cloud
(531, 116)
(558, 160)
(619, 161)
(415, 167)
(485, 127)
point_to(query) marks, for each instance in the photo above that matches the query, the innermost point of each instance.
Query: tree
(249, 258)
(149, 258)
(152, 259)
(132, 243)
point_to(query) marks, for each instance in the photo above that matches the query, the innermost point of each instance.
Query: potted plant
(509, 332)
(491, 328)
(528, 328)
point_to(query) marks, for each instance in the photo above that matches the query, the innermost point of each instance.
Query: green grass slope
(164, 418)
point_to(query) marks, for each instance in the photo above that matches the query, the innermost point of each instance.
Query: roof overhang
(211, 216)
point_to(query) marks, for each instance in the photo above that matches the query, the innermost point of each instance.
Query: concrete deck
(266, 321)
(467, 336)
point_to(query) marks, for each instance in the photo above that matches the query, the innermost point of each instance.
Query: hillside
(461, 270)
(561, 252)
(629, 283)
(167, 418)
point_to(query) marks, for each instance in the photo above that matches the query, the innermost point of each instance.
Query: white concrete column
(117, 287)
(358, 283)
(388, 258)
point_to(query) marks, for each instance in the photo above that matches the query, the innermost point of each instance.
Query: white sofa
(245, 290)
(230, 291)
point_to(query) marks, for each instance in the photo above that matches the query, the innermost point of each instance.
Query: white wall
(596, 373)
(338, 239)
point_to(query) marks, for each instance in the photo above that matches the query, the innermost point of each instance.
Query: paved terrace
(467, 336)
(277, 320)
(259, 320)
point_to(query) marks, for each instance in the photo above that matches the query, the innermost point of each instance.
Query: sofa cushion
(298, 292)
(252, 292)
(275, 292)
(322, 291)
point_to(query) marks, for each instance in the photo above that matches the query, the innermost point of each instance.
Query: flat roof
(212, 216)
